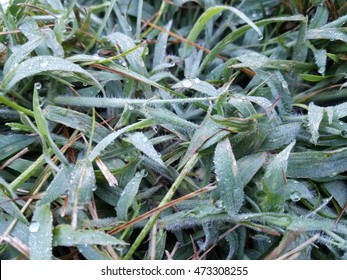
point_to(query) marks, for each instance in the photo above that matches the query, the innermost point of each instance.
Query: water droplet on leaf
(38, 85)
(343, 133)
(196, 80)
(44, 63)
(284, 84)
(187, 83)
(295, 196)
(34, 227)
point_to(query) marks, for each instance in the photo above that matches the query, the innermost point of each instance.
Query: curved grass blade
(141, 142)
(274, 181)
(19, 53)
(127, 197)
(207, 15)
(114, 135)
(241, 31)
(228, 179)
(41, 65)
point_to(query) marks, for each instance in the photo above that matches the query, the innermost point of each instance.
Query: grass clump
(173, 130)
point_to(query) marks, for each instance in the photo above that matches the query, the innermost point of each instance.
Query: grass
(173, 130)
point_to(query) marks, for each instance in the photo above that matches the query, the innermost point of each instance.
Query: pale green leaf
(40, 237)
(228, 178)
(127, 197)
(65, 235)
(141, 142)
(274, 181)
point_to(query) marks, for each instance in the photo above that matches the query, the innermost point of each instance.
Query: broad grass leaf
(65, 235)
(114, 135)
(134, 57)
(317, 164)
(320, 17)
(333, 34)
(141, 142)
(243, 105)
(235, 124)
(300, 49)
(42, 65)
(340, 111)
(76, 120)
(19, 53)
(206, 131)
(249, 165)
(296, 190)
(40, 237)
(59, 185)
(127, 197)
(274, 181)
(198, 85)
(281, 135)
(310, 224)
(31, 30)
(228, 178)
(167, 118)
(82, 183)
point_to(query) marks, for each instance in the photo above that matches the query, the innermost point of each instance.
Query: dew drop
(145, 139)
(344, 133)
(295, 196)
(260, 37)
(187, 83)
(284, 84)
(44, 63)
(96, 57)
(130, 28)
(124, 64)
(34, 227)
(196, 80)
(38, 85)
(94, 188)
(15, 65)
(321, 70)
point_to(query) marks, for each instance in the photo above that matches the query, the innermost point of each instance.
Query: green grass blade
(228, 178)
(40, 237)
(207, 15)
